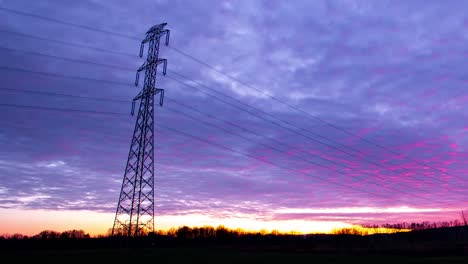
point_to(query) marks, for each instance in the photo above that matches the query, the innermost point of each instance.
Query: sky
(289, 115)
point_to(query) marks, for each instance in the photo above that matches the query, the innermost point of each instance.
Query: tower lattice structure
(135, 209)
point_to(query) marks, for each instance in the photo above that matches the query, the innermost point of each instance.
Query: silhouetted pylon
(135, 209)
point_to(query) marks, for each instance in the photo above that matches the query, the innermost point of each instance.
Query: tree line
(222, 232)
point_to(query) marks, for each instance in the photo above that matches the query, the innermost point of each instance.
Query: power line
(6, 68)
(234, 79)
(24, 35)
(112, 66)
(272, 163)
(67, 59)
(174, 101)
(257, 109)
(67, 110)
(230, 77)
(34, 130)
(232, 133)
(63, 109)
(65, 95)
(68, 23)
(308, 114)
(240, 102)
(278, 124)
(198, 120)
(199, 61)
(287, 146)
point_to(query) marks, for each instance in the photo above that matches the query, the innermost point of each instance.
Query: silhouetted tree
(172, 232)
(222, 232)
(184, 232)
(18, 236)
(275, 232)
(48, 234)
(74, 234)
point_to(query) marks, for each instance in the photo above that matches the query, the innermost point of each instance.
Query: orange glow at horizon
(31, 222)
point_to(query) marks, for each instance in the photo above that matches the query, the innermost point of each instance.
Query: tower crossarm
(149, 64)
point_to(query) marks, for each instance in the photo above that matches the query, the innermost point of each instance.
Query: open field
(217, 255)
(441, 245)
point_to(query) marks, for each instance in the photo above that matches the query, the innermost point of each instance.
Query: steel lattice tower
(135, 209)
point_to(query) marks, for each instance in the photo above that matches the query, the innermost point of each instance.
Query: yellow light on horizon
(31, 222)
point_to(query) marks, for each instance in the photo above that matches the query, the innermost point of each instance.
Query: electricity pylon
(135, 209)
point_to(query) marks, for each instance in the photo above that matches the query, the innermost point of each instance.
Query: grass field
(215, 255)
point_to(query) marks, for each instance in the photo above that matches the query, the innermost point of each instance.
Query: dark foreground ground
(217, 255)
(442, 245)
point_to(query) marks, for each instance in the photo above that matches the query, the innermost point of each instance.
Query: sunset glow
(31, 222)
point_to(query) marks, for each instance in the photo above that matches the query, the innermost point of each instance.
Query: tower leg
(135, 209)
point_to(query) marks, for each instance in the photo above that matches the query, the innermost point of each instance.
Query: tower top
(156, 28)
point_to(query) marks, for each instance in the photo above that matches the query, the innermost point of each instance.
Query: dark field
(217, 255)
(441, 245)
